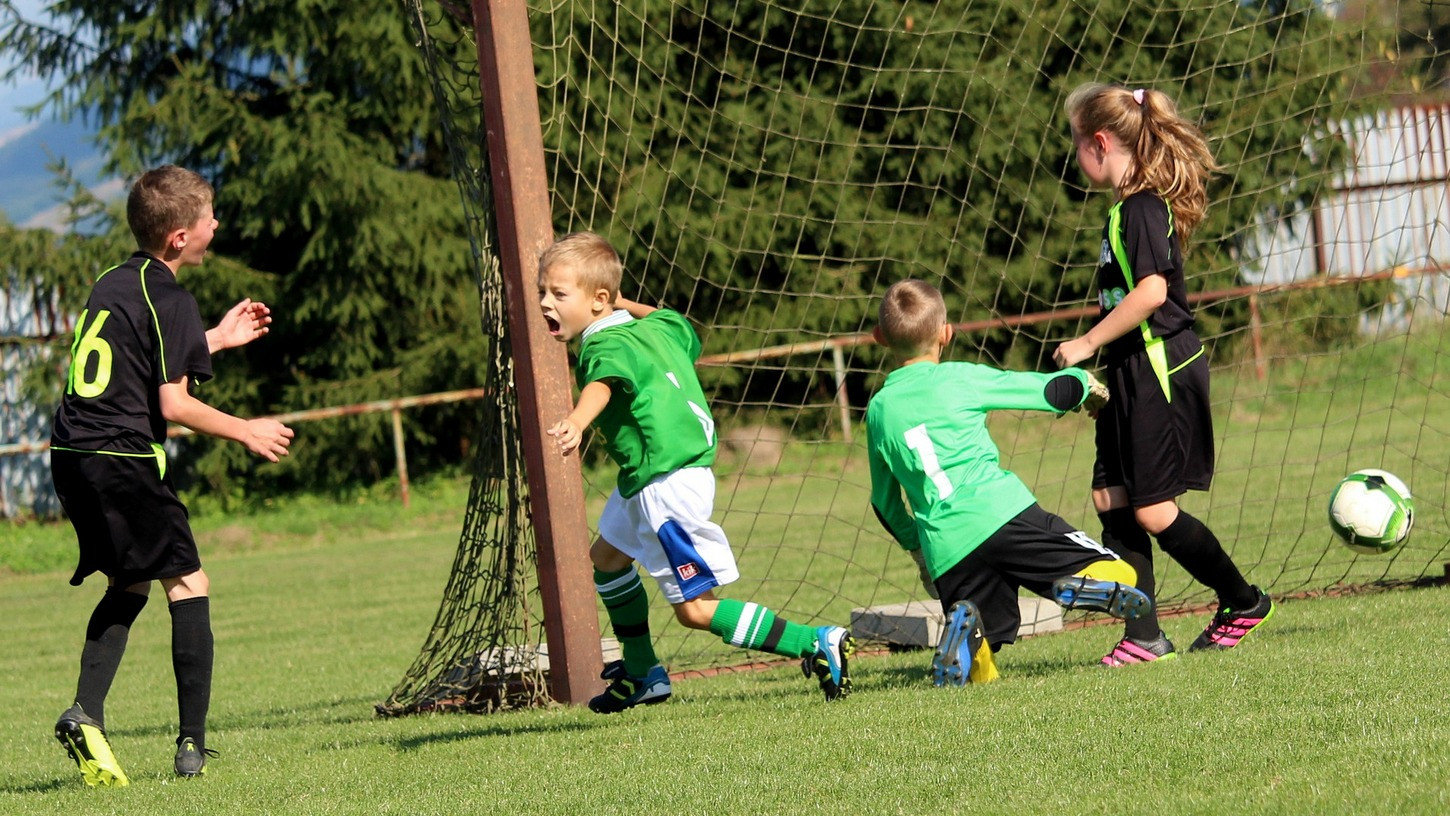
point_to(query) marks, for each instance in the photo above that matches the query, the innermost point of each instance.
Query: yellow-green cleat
(85, 741)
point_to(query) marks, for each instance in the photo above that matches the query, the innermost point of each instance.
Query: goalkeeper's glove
(926, 582)
(1097, 396)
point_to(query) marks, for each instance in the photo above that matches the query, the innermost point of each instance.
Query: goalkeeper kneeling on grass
(636, 373)
(974, 528)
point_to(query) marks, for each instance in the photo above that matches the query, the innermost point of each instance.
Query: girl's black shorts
(1155, 447)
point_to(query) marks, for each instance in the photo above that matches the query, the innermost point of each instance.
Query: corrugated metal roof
(25, 313)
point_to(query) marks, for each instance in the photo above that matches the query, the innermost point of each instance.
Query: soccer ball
(1372, 511)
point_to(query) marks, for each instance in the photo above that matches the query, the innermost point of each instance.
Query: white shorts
(666, 527)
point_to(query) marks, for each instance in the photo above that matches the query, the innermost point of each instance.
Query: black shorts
(1029, 552)
(128, 520)
(1155, 448)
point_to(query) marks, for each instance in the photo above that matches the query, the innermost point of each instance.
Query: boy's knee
(694, 614)
(606, 558)
(190, 585)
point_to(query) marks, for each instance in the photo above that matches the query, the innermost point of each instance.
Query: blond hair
(594, 262)
(911, 316)
(165, 199)
(1170, 155)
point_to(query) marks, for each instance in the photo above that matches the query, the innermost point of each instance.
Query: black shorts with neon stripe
(129, 522)
(1156, 444)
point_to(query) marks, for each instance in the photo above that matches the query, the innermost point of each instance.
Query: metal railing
(395, 406)
(836, 345)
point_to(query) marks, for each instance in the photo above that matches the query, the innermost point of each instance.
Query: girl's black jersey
(139, 329)
(1138, 241)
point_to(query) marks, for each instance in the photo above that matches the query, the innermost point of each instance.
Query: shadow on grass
(893, 676)
(413, 743)
(342, 711)
(49, 786)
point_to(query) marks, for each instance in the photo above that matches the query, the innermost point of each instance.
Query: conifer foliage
(315, 123)
(765, 167)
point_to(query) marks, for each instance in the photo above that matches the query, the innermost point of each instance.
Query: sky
(23, 91)
(28, 193)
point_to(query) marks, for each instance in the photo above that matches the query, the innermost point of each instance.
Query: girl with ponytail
(1155, 436)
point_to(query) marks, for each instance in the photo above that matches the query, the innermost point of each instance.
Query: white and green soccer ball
(1372, 511)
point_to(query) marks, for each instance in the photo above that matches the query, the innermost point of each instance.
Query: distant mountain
(28, 193)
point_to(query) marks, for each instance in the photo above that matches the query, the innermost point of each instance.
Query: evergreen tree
(770, 167)
(1419, 64)
(767, 168)
(315, 122)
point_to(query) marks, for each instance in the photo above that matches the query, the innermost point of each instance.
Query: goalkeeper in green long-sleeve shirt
(974, 528)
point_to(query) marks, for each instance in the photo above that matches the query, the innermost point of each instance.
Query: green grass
(1337, 706)
(320, 606)
(28, 546)
(810, 547)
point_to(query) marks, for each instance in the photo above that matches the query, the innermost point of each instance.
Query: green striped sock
(628, 608)
(755, 627)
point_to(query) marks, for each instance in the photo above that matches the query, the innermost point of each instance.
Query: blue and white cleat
(1094, 595)
(831, 662)
(952, 663)
(626, 692)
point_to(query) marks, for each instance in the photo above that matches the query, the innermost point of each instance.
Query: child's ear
(947, 333)
(602, 300)
(876, 335)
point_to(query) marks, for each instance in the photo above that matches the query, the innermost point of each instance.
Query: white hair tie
(1138, 96)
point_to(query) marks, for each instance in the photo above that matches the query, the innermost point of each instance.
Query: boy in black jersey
(139, 347)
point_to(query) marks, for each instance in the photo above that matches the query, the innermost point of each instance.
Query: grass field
(1338, 706)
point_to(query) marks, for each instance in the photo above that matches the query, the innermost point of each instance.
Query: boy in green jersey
(636, 373)
(974, 528)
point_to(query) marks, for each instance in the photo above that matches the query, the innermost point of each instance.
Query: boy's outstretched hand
(567, 435)
(268, 438)
(242, 324)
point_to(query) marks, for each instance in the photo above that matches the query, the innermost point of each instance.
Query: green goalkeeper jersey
(926, 431)
(656, 420)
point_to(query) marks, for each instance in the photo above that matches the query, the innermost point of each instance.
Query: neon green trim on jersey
(1157, 355)
(155, 321)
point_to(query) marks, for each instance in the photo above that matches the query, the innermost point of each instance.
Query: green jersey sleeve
(1021, 390)
(887, 501)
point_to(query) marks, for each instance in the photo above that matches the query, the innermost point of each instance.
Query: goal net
(769, 168)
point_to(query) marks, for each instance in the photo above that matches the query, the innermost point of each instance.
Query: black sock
(1195, 546)
(1123, 535)
(191, 659)
(106, 636)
